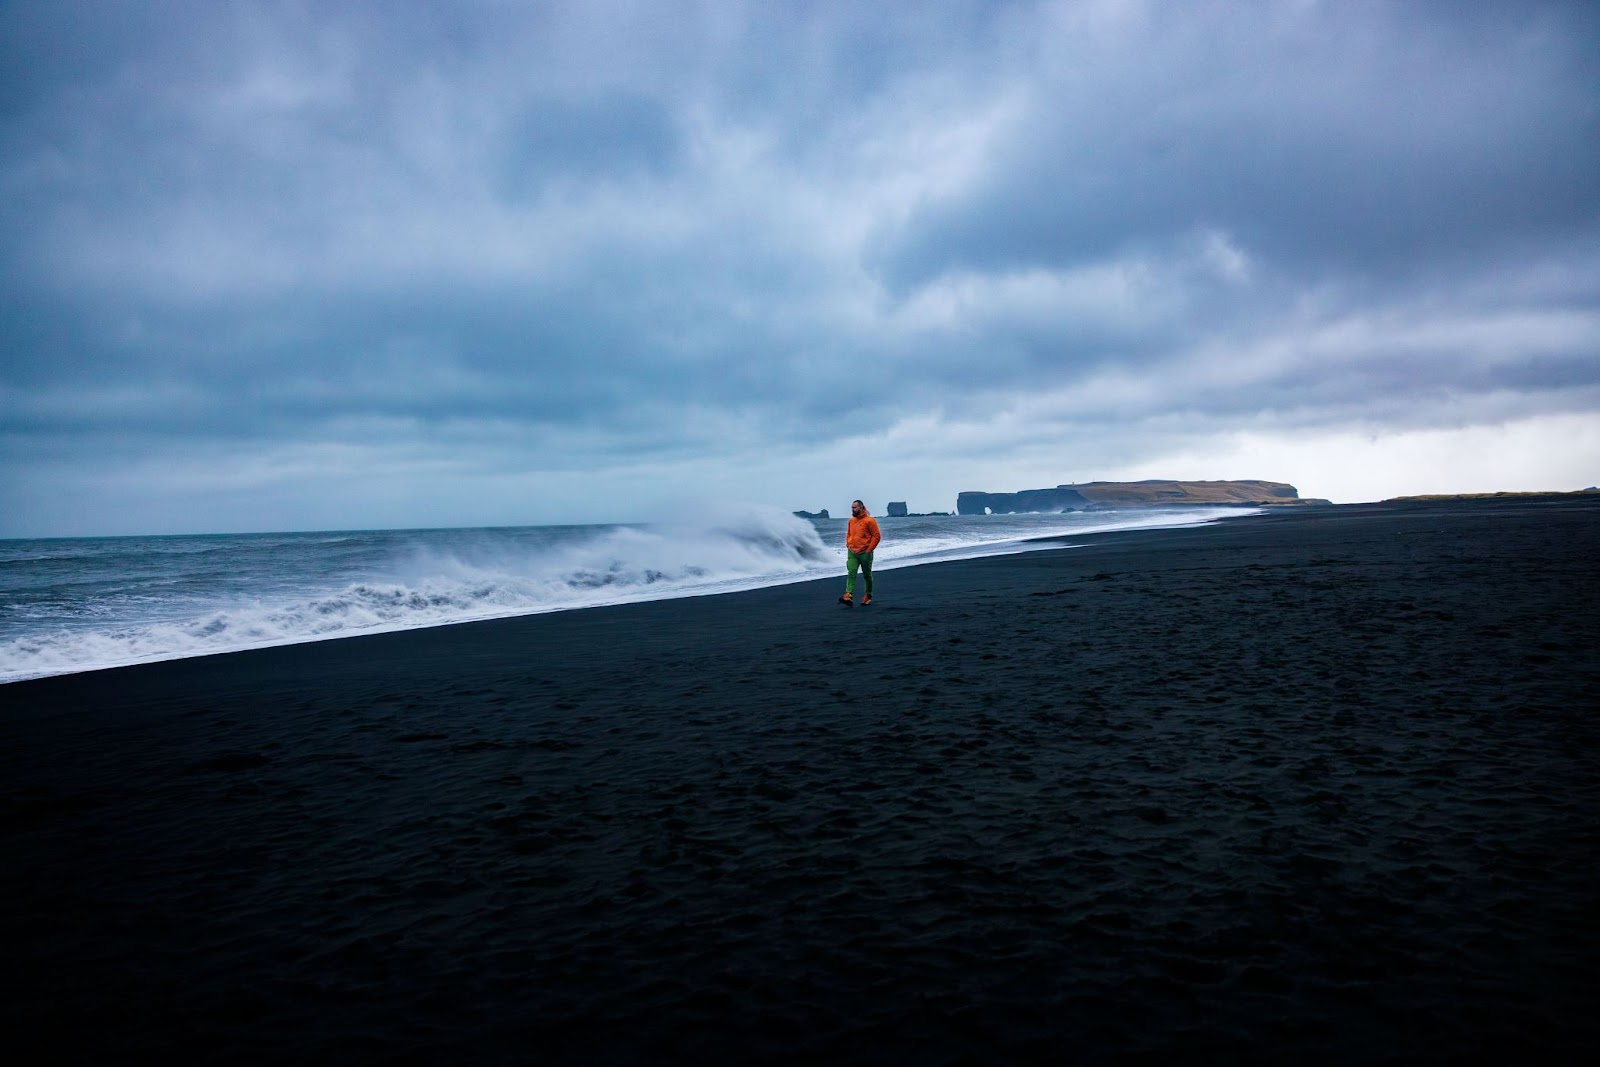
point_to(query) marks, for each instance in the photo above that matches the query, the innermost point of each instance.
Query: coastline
(1316, 782)
(94, 604)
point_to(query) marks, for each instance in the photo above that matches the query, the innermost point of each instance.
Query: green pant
(853, 560)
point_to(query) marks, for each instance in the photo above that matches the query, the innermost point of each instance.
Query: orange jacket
(863, 535)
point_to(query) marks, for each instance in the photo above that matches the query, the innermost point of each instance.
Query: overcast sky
(270, 266)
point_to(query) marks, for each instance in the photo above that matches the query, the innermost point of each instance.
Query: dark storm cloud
(555, 235)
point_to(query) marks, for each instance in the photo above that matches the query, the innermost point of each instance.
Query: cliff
(1154, 492)
(1062, 498)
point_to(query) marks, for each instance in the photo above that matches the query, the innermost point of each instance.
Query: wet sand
(1314, 786)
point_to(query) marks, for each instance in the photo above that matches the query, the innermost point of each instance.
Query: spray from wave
(429, 579)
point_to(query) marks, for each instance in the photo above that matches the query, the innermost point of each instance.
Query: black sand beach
(1313, 786)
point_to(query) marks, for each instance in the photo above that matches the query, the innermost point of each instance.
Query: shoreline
(190, 647)
(463, 578)
(1314, 783)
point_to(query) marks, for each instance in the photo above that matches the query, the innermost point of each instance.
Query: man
(860, 538)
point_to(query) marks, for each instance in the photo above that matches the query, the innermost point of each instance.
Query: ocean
(80, 604)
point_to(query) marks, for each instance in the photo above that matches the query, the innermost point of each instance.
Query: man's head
(857, 508)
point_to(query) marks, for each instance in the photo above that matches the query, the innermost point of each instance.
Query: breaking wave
(446, 577)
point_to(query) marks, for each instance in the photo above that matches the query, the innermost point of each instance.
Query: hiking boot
(845, 600)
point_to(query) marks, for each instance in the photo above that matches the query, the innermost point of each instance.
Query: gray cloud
(738, 237)
(1324, 142)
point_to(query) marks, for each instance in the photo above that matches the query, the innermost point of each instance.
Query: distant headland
(1092, 496)
(1154, 492)
(1494, 496)
(896, 510)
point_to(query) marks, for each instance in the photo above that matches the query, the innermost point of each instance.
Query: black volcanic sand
(1315, 786)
